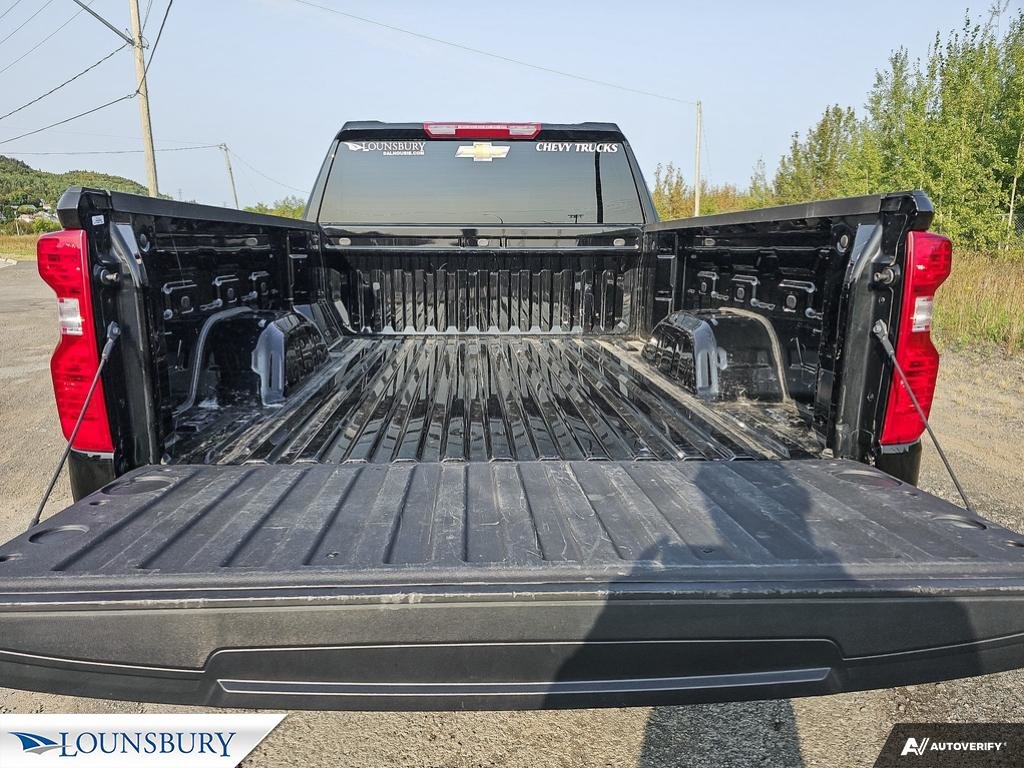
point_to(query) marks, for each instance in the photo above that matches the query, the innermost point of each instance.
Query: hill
(21, 184)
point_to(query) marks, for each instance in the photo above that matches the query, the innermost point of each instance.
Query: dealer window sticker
(388, 148)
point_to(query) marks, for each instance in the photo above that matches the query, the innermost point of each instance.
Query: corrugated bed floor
(810, 516)
(480, 398)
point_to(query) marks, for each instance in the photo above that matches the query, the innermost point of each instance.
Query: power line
(252, 168)
(145, 17)
(167, 149)
(66, 82)
(69, 119)
(10, 8)
(40, 43)
(116, 151)
(159, 32)
(45, 5)
(123, 136)
(139, 91)
(493, 55)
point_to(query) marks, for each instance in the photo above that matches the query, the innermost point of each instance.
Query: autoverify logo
(930, 745)
(925, 745)
(88, 740)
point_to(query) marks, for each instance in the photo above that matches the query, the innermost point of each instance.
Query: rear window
(480, 182)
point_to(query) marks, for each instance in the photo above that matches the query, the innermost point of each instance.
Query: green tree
(1011, 118)
(290, 207)
(951, 124)
(762, 192)
(811, 168)
(38, 226)
(967, 167)
(21, 184)
(673, 198)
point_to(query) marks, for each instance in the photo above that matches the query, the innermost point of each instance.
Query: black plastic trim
(88, 473)
(846, 206)
(408, 656)
(123, 202)
(901, 461)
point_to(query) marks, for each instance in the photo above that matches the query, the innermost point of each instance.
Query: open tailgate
(506, 585)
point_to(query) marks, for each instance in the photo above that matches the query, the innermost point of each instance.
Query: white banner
(123, 740)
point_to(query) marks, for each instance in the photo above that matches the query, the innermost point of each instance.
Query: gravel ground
(979, 414)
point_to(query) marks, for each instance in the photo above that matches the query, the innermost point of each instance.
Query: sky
(276, 79)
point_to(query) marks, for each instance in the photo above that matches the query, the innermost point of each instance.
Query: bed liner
(444, 397)
(514, 521)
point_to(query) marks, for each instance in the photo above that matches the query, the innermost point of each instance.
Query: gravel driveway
(979, 413)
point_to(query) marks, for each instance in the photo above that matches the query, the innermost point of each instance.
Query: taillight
(482, 130)
(928, 263)
(64, 266)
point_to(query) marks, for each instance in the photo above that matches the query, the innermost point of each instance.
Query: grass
(18, 247)
(982, 303)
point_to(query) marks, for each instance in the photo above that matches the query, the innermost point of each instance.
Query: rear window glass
(480, 182)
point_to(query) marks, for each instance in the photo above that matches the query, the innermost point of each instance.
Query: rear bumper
(620, 645)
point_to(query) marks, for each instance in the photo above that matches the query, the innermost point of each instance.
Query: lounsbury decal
(105, 741)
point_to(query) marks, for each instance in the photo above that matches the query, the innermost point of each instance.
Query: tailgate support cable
(113, 333)
(881, 331)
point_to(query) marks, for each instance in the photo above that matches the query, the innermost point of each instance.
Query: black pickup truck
(481, 432)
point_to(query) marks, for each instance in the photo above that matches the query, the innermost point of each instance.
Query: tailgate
(506, 585)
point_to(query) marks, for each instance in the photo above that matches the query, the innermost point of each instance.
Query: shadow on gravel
(761, 733)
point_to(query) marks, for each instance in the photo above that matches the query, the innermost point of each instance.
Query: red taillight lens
(482, 130)
(64, 266)
(929, 262)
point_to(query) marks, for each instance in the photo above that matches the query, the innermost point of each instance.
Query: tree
(291, 207)
(673, 198)
(951, 124)
(21, 184)
(1011, 119)
(38, 226)
(762, 192)
(811, 168)
(965, 168)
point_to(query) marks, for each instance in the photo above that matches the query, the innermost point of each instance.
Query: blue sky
(274, 79)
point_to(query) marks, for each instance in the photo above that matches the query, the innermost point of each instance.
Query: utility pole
(231, 173)
(14, 218)
(696, 160)
(140, 77)
(136, 42)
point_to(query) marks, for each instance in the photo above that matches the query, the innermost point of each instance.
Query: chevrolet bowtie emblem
(482, 151)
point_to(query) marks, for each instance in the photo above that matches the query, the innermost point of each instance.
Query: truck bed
(460, 496)
(458, 397)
